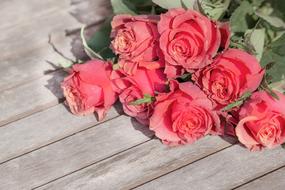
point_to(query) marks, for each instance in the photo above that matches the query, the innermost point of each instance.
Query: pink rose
(88, 88)
(189, 40)
(231, 74)
(134, 87)
(262, 121)
(131, 67)
(135, 38)
(183, 115)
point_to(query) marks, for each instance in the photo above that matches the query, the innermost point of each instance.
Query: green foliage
(239, 18)
(90, 52)
(146, 99)
(170, 4)
(239, 102)
(275, 53)
(99, 43)
(120, 7)
(65, 63)
(255, 38)
(185, 77)
(273, 20)
(265, 87)
(215, 9)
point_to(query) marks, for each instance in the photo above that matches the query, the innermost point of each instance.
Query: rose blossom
(189, 40)
(183, 115)
(135, 38)
(131, 67)
(134, 87)
(88, 88)
(231, 74)
(262, 121)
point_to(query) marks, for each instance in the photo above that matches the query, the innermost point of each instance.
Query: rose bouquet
(188, 68)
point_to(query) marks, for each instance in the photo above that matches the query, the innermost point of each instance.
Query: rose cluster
(155, 53)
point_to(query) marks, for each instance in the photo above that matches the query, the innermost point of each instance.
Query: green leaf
(238, 103)
(245, 96)
(273, 20)
(65, 63)
(100, 42)
(214, 9)
(189, 4)
(278, 86)
(238, 19)
(283, 145)
(120, 7)
(275, 54)
(170, 4)
(92, 54)
(146, 99)
(264, 86)
(140, 6)
(256, 38)
(185, 77)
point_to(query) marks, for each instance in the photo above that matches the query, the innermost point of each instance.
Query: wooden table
(43, 146)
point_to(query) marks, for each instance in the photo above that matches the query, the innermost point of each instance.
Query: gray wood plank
(29, 98)
(25, 27)
(43, 128)
(137, 165)
(72, 153)
(224, 170)
(272, 181)
(40, 93)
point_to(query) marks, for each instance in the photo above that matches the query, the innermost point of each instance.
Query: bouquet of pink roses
(187, 69)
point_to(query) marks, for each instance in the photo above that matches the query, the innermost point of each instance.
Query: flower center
(123, 41)
(218, 88)
(191, 123)
(267, 133)
(181, 48)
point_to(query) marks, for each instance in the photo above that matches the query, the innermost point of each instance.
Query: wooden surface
(43, 146)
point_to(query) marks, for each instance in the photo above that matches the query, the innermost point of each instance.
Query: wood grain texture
(43, 128)
(137, 165)
(24, 37)
(272, 181)
(30, 98)
(224, 170)
(72, 153)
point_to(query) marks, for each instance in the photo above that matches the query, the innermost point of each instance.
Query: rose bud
(135, 38)
(262, 121)
(231, 75)
(184, 115)
(134, 87)
(189, 40)
(88, 88)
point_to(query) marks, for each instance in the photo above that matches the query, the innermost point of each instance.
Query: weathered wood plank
(224, 170)
(43, 128)
(138, 165)
(24, 37)
(272, 181)
(38, 94)
(72, 153)
(29, 98)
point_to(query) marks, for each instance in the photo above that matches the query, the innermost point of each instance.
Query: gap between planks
(264, 176)
(132, 158)
(45, 128)
(224, 170)
(72, 153)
